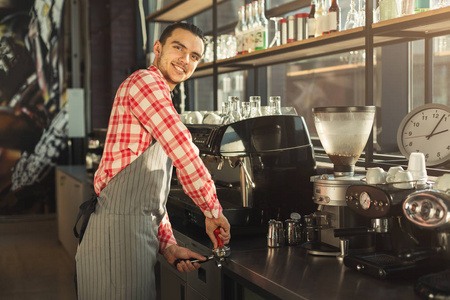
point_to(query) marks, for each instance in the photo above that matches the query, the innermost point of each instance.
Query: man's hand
(174, 252)
(212, 224)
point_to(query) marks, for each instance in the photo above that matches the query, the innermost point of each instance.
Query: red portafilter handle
(219, 240)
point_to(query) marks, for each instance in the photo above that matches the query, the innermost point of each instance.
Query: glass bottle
(325, 17)
(262, 34)
(249, 37)
(240, 29)
(312, 20)
(257, 37)
(421, 6)
(319, 18)
(352, 17)
(334, 15)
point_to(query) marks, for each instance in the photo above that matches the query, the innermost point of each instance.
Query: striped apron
(117, 255)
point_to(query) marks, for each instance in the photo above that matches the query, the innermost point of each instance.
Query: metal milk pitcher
(275, 236)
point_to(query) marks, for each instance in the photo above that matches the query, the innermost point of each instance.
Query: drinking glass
(209, 49)
(231, 46)
(407, 7)
(225, 118)
(275, 105)
(277, 37)
(234, 112)
(219, 47)
(255, 106)
(245, 109)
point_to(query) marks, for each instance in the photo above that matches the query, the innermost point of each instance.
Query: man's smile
(179, 68)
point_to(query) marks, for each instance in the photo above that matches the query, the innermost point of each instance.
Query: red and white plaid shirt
(143, 111)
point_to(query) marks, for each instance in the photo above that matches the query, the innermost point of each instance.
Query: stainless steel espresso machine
(261, 168)
(343, 132)
(405, 248)
(430, 210)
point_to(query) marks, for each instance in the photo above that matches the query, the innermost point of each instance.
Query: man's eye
(195, 57)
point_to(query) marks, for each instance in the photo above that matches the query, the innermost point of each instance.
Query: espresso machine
(402, 249)
(343, 132)
(430, 210)
(261, 168)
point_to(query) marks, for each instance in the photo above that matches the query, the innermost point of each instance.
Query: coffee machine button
(327, 199)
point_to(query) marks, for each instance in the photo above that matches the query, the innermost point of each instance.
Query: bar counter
(290, 273)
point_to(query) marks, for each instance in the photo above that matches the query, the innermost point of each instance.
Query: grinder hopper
(344, 131)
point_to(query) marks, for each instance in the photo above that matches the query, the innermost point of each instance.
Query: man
(145, 136)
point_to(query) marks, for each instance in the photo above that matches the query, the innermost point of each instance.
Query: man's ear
(157, 48)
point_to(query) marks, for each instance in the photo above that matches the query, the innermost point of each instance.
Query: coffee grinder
(343, 132)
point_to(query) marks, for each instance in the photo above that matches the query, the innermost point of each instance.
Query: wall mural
(33, 119)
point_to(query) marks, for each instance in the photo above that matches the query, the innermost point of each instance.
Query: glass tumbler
(245, 109)
(235, 114)
(275, 105)
(255, 106)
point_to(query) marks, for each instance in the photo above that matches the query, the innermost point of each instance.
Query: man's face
(179, 56)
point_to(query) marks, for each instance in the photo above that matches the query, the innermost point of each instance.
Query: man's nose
(185, 58)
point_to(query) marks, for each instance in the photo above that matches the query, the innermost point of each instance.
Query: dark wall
(113, 52)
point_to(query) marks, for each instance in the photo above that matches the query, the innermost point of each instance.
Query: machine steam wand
(245, 180)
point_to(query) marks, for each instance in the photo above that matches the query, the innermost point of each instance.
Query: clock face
(426, 129)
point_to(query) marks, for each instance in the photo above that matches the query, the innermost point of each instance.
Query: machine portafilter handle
(222, 251)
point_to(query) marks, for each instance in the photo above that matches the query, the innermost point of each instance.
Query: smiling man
(145, 139)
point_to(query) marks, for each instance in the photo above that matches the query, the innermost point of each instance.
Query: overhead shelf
(418, 26)
(324, 45)
(179, 10)
(402, 29)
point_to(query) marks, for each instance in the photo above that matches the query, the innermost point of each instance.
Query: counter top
(76, 171)
(290, 273)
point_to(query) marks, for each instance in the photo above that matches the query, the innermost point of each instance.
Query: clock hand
(442, 131)
(431, 134)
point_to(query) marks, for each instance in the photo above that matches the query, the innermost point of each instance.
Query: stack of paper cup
(418, 169)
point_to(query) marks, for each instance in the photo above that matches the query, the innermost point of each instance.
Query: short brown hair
(186, 26)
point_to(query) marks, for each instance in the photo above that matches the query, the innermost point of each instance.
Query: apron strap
(86, 209)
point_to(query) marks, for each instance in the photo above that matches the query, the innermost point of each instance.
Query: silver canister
(293, 232)
(301, 21)
(275, 236)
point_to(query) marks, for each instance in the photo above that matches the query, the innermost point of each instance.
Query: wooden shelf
(179, 10)
(320, 46)
(412, 27)
(403, 29)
